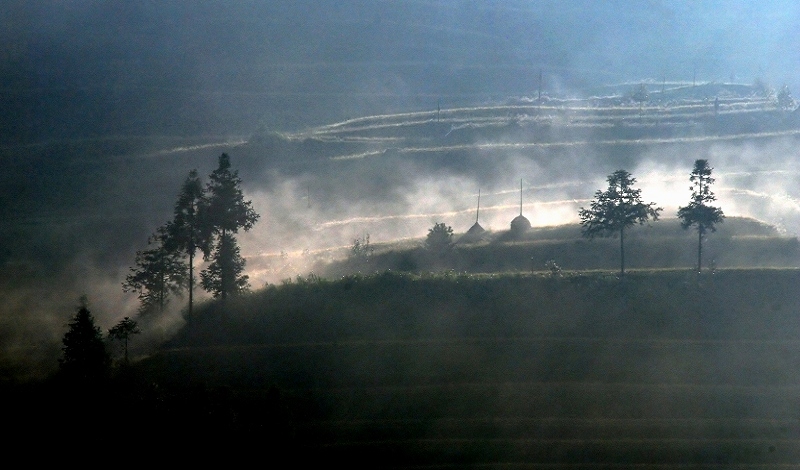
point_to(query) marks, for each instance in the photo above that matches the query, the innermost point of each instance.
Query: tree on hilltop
(225, 213)
(187, 231)
(615, 209)
(699, 213)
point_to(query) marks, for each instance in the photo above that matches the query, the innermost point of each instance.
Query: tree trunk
(223, 274)
(191, 280)
(699, 251)
(622, 252)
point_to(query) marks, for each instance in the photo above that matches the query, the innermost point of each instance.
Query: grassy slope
(663, 367)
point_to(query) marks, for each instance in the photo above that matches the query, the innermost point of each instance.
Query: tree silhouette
(223, 277)
(159, 273)
(440, 237)
(225, 213)
(85, 358)
(785, 99)
(615, 209)
(361, 250)
(698, 213)
(122, 331)
(187, 232)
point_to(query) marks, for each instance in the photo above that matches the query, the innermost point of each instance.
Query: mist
(105, 108)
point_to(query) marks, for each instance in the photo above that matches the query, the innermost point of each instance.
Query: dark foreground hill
(659, 369)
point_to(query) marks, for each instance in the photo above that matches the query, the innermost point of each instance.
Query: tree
(615, 209)
(85, 358)
(159, 273)
(440, 237)
(699, 213)
(361, 249)
(122, 331)
(223, 277)
(187, 232)
(785, 99)
(225, 213)
(640, 95)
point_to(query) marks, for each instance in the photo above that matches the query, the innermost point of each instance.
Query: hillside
(512, 371)
(482, 355)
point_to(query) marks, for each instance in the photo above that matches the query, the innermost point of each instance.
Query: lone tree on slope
(699, 213)
(225, 213)
(615, 209)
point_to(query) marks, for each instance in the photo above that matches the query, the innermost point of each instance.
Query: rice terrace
(519, 344)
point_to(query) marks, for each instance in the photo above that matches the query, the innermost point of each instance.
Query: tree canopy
(206, 218)
(225, 213)
(158, 274)
(698, 213)
(440, 237)
(617, 208)
(187, 231)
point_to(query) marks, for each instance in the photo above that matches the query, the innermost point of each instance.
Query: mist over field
(105, 107)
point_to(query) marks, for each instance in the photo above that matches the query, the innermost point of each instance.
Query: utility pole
(478, 212)
(540, 84)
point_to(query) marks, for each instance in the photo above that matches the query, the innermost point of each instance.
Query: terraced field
(393, 175)
(679, 114)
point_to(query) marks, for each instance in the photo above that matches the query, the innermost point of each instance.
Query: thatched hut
(520, 224)
(475, 233)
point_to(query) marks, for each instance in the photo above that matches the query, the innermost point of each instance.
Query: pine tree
(225, 213)
(158, 274)
(187, 231)
(85, 358)
(699, 213)
(223, 277)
